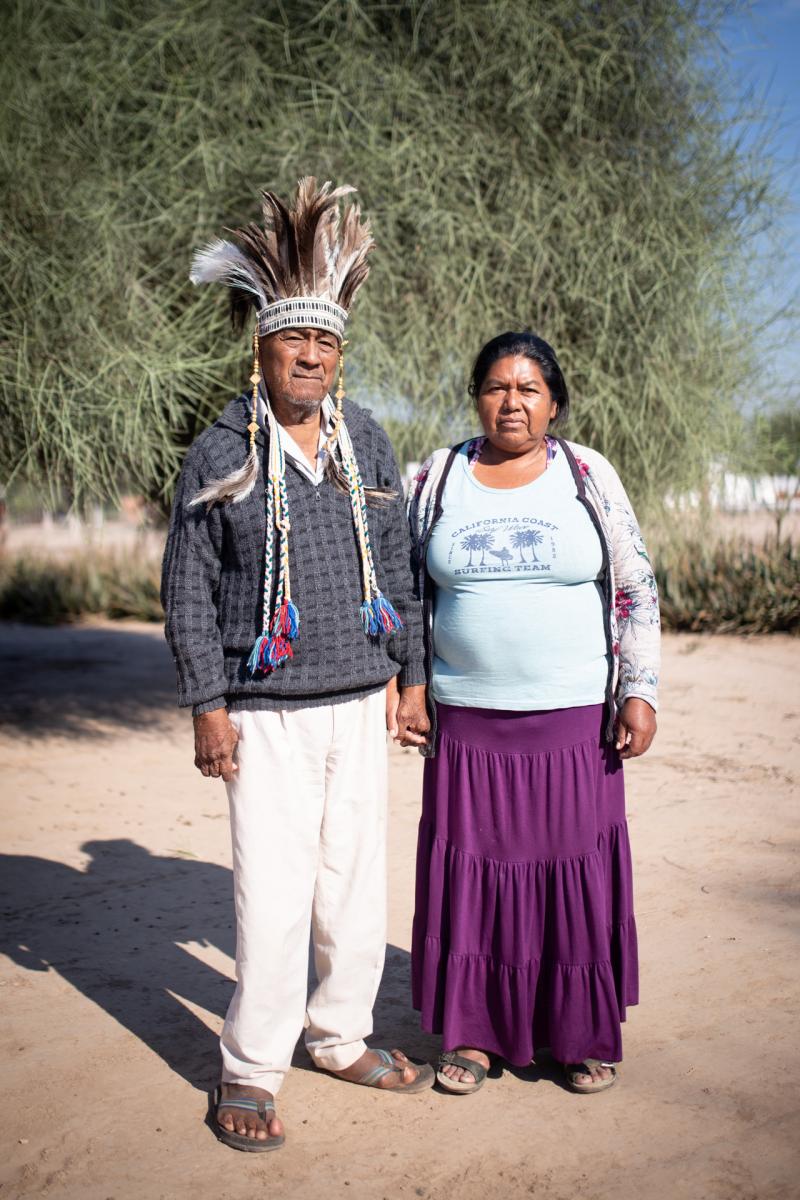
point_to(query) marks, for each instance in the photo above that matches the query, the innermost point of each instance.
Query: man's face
(298, 366)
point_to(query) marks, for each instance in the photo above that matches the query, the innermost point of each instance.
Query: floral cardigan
(628, 584)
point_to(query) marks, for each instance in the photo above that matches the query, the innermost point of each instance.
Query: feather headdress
(303, 267)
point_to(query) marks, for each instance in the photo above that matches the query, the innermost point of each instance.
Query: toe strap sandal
(394, 1063)
(573, 1070)
(458, 1086)
(264, 1109)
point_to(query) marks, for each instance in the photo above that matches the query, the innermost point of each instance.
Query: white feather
(341, 268)
(232, 489)
(223, 262)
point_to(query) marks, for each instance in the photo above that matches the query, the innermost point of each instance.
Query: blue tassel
(379, 616)
(386, 614)
(256, 661)
(368, 619)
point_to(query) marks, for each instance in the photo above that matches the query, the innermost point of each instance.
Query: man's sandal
(264, 1109)
(393, 1063)
(459, 1086)
(573, 1070)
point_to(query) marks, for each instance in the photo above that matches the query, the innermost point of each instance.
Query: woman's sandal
(393, 1063)
(264, 1109)
(451, 1059)
(572, 1070)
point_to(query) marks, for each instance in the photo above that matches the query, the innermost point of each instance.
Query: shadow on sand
(67, 679)
(117, 932)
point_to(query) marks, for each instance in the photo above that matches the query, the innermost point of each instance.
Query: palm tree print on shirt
(526, 538)
(474, 542)
(487, 541)
(471, 542)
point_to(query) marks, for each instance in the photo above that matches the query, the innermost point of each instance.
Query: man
(289, 608)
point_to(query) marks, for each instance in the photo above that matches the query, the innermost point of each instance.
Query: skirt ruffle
(524, 932)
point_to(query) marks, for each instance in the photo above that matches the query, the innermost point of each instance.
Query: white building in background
(734, 493)
(726, 491)
(744, 493)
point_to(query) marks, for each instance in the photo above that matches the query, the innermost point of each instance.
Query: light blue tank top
(518, 615)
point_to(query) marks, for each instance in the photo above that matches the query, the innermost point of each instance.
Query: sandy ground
(116, 892)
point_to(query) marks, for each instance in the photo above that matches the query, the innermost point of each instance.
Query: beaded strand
(280, 619)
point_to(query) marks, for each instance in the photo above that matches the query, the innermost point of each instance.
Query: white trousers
(308, 822)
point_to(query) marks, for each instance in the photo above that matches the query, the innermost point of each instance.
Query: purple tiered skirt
(524, 934)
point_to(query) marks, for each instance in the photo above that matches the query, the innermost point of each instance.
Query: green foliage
(773, 441)
(730, 587)
(558, 164)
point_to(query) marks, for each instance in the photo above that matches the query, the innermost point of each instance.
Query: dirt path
(116, 895)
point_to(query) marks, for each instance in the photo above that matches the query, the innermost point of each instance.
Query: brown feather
(355, 243)
(278, 219)
(312, 249)
(255, 244)
(354, 280)
(309, 210)
(316, 214)
(260, 248)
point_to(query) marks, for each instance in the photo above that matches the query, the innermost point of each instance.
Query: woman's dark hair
(532, 347)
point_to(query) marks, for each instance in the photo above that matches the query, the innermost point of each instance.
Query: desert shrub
(48, 591)
(730, 586)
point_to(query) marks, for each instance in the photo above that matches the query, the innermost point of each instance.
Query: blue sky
(764, 51)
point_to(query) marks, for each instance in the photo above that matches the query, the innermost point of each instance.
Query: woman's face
(514, 404)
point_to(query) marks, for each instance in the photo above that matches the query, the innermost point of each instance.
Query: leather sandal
(572, 1070)
(458, 1086)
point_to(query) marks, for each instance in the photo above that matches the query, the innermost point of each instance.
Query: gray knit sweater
(213, 573)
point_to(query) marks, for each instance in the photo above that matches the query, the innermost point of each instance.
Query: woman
(542, 655)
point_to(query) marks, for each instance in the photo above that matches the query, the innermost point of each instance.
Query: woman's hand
(392, 701)
(636, 728)
(413, 723)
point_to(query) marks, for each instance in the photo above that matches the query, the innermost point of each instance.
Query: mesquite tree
(560, 165)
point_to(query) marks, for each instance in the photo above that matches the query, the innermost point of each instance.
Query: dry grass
(47, 591)
(717, 586)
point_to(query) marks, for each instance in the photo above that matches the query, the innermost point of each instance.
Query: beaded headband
(302, 312)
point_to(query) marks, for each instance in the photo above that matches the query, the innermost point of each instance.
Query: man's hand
(636, 728)
(215, 745)
(413, 723)
(392, 701)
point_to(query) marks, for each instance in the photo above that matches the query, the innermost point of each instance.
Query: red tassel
(278, 651)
